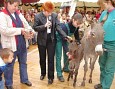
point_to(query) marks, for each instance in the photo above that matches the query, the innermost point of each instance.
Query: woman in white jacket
(13, 29)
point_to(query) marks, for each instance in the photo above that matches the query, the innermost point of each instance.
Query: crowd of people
(51, 32)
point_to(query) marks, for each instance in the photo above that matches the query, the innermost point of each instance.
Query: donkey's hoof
(71, 77)
(83, 84)
(74, 84)
(67, 79)
(90, 80)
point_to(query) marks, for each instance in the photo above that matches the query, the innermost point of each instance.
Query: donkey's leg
(92, 67)
(85, 71)
(70, 74)
(76, 73)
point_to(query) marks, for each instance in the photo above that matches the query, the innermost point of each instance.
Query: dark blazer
(39, 26)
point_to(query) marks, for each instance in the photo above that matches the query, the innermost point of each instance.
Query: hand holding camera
(28, 34)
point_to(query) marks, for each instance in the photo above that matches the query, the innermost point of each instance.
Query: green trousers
(107, 65)
(58, 54)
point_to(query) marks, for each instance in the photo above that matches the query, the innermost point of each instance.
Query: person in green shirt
(107, 60)
(71, 29)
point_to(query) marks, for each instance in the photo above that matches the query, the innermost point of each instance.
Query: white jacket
(8, 32)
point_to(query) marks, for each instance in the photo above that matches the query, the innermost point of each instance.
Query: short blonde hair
(48, 6)
(5, 53)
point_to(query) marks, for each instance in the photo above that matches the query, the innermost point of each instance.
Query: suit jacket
(39, 26)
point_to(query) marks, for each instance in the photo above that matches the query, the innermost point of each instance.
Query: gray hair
(78, 17)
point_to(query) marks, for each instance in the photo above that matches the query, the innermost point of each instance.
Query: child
(6, 56)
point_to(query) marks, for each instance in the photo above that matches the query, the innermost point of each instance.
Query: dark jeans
(50, 48)
(2, 84)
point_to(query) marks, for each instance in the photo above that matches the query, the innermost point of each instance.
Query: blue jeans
(1, 84)
(8, 74)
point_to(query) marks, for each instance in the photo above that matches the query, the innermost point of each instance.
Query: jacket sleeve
(26, 25)
(76, 35)
(4, 29)
(37, 24)
(58, 28)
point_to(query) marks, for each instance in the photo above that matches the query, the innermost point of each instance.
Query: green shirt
(109, 25)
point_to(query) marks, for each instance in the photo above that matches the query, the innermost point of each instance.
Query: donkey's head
(73, 45)
(97, 36)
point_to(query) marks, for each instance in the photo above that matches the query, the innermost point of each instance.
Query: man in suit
(46, 24)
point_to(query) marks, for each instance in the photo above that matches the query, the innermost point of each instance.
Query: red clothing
(97, 16)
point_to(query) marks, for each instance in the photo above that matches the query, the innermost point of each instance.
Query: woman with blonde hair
(107, 60)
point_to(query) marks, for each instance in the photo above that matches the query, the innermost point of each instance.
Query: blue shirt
(109, 25)
(2, 67)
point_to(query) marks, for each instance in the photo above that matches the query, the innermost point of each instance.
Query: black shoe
(9, 87)
(60, 78)
(42, 77)
(28, 83)
(50, 81)
(98, 86)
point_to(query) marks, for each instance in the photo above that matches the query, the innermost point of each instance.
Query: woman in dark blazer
(46, 24)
